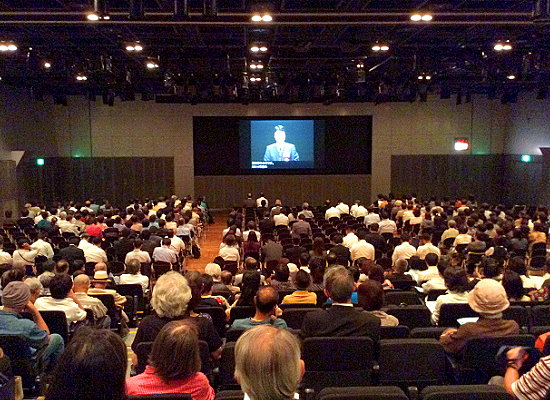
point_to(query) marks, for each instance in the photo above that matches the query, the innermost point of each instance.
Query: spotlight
(511, 77)
(267, 18)
(130, 48)
(462, 144)
(92, 17)
(420, 77)
(507, 47)
(12, 47)
(152, 64)
(384, 48)
(263, 49)
(428, 77)
(7, 46)
(254, 49)
(81, 77)
(502, 46)
(134, 47)
(416, 17)
(376, 48)
(427, 17)
(47, 64)
(256, 18)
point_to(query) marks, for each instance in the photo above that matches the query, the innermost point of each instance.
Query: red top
(197, 385)
(94, 230)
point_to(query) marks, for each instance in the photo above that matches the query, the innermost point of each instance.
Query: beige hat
(488, 297)
(101, 276)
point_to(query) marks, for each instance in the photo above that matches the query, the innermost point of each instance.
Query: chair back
(160, 268)
(363, 393)
(394, 332)
(411, 316)
(239, 312)
(435, 293)
(541, 315)
(231, 266)
(519, 314)
(142, 351)
(337, 361)
(428, 333)
(399, 297)
(218, 317)
(295, 316)
(451, 312)
(57, 323)
(227, 367)
(465, 392)
(232, 335)
(400, 362)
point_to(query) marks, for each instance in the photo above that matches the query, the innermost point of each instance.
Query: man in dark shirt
(341, 251)
(148, 244)
(72, 252)
(271, 251)
(342, 319)
(293, 253)
(301, 227)
(376, 239)
(25, 221)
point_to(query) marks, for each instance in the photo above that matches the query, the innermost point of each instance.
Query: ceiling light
(151, 65)
(130, 48)
(506, 47)
(12, 47)
(376, 48)
(416, 17)
(47, 64)
(384, 48)
(420, 77)
(511, 76)
(256, 18)
(81, 77)
(498, 47)
(263, 49)
(253, 66)
(92, 17)
(462, 144)
(502, 46)
(7, 46)
(427, 17)
(138, 47)
(254, 49)
(267, 18)
(428, 77)
(134, 47)
(260, 66)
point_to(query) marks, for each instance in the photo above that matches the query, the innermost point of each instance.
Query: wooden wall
(118, 179)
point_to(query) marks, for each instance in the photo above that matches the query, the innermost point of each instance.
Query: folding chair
(465, 392)
(363, 393)
(411, 316)
(227, 368)
(295, 316)
(394, 332)
(399, 297)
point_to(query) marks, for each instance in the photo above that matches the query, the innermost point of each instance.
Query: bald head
(81, 283)
(266, 300)
(100, 266)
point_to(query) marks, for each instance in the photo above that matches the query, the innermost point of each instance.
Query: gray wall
(147, 129)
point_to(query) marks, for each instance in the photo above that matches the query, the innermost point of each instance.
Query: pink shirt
(197, 385)
(94, 230)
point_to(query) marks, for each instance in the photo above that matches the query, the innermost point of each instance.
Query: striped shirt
(535, 384)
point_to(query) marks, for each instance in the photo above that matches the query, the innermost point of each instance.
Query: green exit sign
(40, 161)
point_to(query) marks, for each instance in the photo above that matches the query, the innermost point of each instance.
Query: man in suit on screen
(280, 150)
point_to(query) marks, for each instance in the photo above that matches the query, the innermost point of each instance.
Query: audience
(81, 286)
(302, 280)
(60, 286)
(133, 275)
(370, 297)
(267, 312)
(456, 282)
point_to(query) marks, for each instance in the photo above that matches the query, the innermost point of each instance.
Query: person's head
(302, 280)
(48, 266)
(267, 363)
(166, 242)
(376, 273)
(425, 238)
(133, 266)
(362, 234)
(196, 283)
(517, 264)
(171, 295)
(226, 277)
(81, 283)
(431, 259)
(60, 286)
(11, 275)
(280, 134)
(207, 284)
(338, 284)
(138, 243)
(488, 298)
(214, 270)
(489, 268)
(92, 366)
(250, 264)
(513, 285)
(230, 240)
(400, 266)
(15, 295)
(250, 285)
(252, 237)
(370, 295)
(175, 354)
(62, 267)
(266, 300)
(456, 279)
(35, 287)
(282, 273)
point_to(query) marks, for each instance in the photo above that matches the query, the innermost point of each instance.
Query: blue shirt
(353, 298)
(14, 324)
(245, 323)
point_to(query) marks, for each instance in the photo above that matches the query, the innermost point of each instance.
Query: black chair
(403, 284)
(465, 392)
(133, 292)
(540, 315)
(114, 312)
(478, 362)
(229, 395)
(427, 333)
(451, 312)
(227, 368)
(240, 312)
(408, 362)
(411, 316)
(295, 316)
(232, 335)
(537, 262)
(24, 364)
(539, 330)
(89, 267)
(57, 323)
(399, 297)
(337, 361)
(218, 317)
(394, 332)
(435, 293)
(166, 396)
(363, 393)
(448, 243)
(160, 268)
(519, 314)
(231, 266)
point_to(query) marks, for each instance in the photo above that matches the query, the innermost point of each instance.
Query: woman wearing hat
(488, 298)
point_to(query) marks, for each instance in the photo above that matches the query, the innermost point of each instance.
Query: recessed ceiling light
(267, 18)
(256, 18)
(427, 17)
(511, 76)
(416, 17)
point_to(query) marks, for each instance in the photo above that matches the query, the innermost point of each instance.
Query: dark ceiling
(315, 47)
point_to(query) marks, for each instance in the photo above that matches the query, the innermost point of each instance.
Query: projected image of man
(281, 150)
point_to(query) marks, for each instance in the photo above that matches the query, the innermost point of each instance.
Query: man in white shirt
(386, 225)
(405, 250)
(260, 199)
(81, 286)
(84, 242)
(408, 213)
(165, 253)
(371, 217)
(5, 257)
(66, 225)
(432, 275)
(342, 207)
(362, 248)
(358, 210)
(451, 232)
(137, 253)
(350, 239)
(462, 237)
(332, 212)
(132, 275)
(279, 218)
(60, 286)
(44, 248)
(426, 247)
(24, 255)
(95, 253)
(176, 243)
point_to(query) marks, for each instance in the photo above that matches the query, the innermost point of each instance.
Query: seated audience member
(362, 248)
(517, 264)
(370, 297)
(341, 251)
(251, 246)
(174, 365)
(229, 249)
(92, 367)
(60, 286)
(301, 227)
(35, 287)
(318, 248)
(451, 232)
(302, 280)
(456, 282)
(81, 285)
(95, 253)
(293, 253)
(397, 273)
(72, 252)
(250, 264)
(137, 253)
(437, 283)
(533, 385)
(271, 250)
(341, 319)
(405, 250)
(280, 280)
(426, 247)
(267, 363)
(514, 286)
(488, 268)
(227, 281)
(463, 237)
(170, 301)
(5, 257)
(16, 299)
(207, 299)
(46, 276)
(317, 269)
(165, 253)
(100, 282)
(215, 271)
(133, 275)
(249, 287)
(432, 270)
(24, 256)
(488, 299)
(41, 244)
(267, 311)
(376, 273)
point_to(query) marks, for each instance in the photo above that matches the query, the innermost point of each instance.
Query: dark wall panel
(493, 178)
(115, 178)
